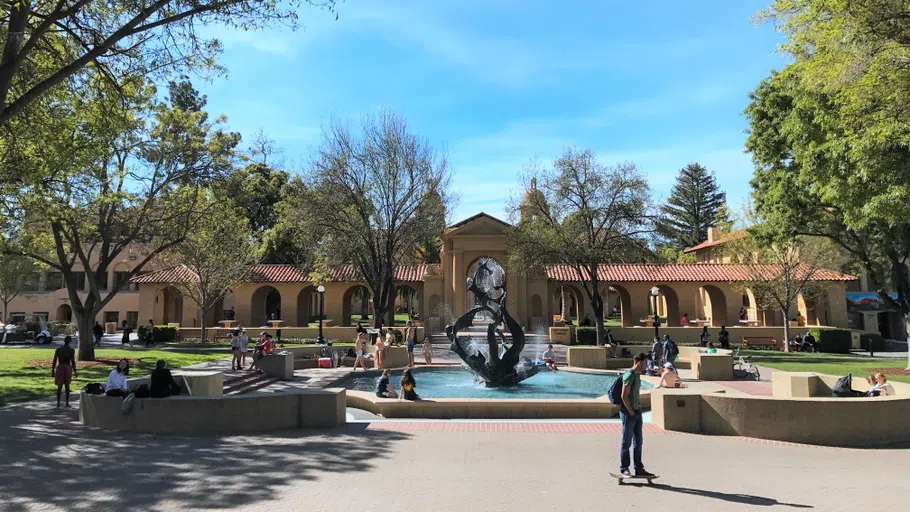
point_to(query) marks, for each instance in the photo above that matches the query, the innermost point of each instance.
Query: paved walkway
(52, 463)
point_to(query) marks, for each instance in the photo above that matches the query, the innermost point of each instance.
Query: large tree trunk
(364, 304)
(202, 325)
(85, 321)
(564, 307)
(5, 307)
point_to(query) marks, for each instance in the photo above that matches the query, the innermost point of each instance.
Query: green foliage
(164, 334)
(835, 341)
(695, 204)
(586, 336)
(669, 254)
(15, 271)
(874, 339)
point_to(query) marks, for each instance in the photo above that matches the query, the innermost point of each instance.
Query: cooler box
(325, 362)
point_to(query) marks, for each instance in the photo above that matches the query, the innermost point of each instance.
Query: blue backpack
(614, 393)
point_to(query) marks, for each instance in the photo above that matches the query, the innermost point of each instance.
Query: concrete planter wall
(589, 357)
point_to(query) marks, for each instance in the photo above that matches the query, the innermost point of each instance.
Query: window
(121, 282)
(103, 282)
(17, 318)
(33, 283)
(132, 319)
(54, 281)
(78, 279)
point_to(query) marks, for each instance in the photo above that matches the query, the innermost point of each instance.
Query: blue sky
(499, 83)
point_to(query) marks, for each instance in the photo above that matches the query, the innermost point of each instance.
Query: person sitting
(704, 337)
(549, 358)
(587, 322)
(407, 386)
(162, 382)
(800, 320)
(711, 349)
(669, 378)
(880, 385)
(684, 321)
(810, 343)
(384, 387)
(262, 349)
(116, 380)
(743, 314)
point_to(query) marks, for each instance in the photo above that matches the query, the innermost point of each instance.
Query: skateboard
(621, 479)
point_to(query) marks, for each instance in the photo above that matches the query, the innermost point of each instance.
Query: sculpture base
(495, 374)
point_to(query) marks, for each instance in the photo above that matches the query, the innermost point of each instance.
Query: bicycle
(743, 366)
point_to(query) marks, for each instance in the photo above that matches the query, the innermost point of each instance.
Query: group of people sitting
(161, 382)
(407, 383)
(239, 347)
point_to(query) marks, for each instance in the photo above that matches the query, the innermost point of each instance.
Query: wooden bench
(759, 342)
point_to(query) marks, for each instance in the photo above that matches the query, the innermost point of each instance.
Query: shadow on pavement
(746, 499)
(49, 459)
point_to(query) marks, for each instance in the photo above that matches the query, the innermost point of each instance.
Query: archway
(617, 305)
(407, 303)
(666, 305)
(573, 305)
(64, 314)
(536, 306)
(356, 302)
(307, 306)
(216, 314)
(814, 309)
(712, 305)
(173, 306)
(266, 304)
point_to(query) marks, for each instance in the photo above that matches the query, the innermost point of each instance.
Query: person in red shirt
(263, 348)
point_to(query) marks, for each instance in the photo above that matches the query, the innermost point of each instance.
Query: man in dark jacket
(163, 384)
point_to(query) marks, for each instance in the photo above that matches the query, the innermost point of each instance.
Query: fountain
(496, 367)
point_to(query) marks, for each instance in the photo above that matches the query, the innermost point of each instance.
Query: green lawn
(20, 381)
(831, 364)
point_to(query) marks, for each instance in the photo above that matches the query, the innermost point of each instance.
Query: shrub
(835, 341)
(873, 338)
(164, 334)
(586, 336)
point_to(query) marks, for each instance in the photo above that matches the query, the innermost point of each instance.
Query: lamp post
(321, 290)
(655, 291)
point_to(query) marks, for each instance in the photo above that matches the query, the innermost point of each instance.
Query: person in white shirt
(116, 381)
(669, 378)
(880, 384)
(549, 358)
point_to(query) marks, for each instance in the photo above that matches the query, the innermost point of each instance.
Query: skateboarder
(630, 414)
(63, 369)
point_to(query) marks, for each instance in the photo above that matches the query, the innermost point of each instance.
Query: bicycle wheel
(739, 371)
(755, 371)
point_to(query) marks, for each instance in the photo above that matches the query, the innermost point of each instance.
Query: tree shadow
(745, 499)
(51, 459)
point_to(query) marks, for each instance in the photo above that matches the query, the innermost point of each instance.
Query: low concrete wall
(711, 366)
(278, 365)
(589, 357)
(191, 382)
(786, 416)
(241, 414)
(692, 334)
(329, 333)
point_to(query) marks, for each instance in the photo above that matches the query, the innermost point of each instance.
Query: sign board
(561, 335)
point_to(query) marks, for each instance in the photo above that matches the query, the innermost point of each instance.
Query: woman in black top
(407, 386)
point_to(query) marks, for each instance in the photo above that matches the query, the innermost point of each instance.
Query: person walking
(97, 332)
(63, 369)
(410, 336)
(671, 351)
(631, 417)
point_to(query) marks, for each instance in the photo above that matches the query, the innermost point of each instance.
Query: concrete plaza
(50, 462)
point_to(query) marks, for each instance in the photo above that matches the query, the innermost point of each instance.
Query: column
(458, 284)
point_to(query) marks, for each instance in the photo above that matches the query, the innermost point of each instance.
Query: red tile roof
(278, 273)
(680, 272)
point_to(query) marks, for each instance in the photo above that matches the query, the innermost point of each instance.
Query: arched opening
(711, 304)
(64, 314)
(356, 303)
(215, 314)
(407, 304)
(815, 309)
(567, 303)
(307, 306)
(665, 305)
(266, 305)
(173, 306)
(617, 305)
(536, 306)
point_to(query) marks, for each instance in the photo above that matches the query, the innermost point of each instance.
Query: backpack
(93, 388)
(614, 392)
(844, 387)
(673, 348)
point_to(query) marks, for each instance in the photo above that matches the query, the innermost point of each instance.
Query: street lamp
(655, 291)
(321, 290)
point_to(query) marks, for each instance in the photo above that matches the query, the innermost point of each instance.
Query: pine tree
(692, 207)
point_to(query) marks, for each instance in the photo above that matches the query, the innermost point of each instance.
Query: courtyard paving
(50, 462)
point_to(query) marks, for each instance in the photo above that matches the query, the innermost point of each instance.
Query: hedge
(586, 336)
(835, 341)
(164, 334)
(876, 339)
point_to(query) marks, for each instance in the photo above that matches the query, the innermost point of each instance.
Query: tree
(779, 267)
(15, 272)
(47, 45)
(815, 176)
(292, 239)
(583, 214)
(218, 255)
(122, 178)
(692, 208)
(259, 191)
(374, 197)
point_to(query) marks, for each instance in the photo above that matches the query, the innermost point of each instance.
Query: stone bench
(236, 414)
(278, 365)
(191, 382)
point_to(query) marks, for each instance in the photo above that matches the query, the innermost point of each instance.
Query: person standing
(97, 332)
(705, 337)
(236, 363)
(671, 351)
(150, 334)
(427, 350)
(359, 351)
(63, 369)
(410, 336)
(127, 330)
(657, 351)
(724, 337)
(630, 414)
